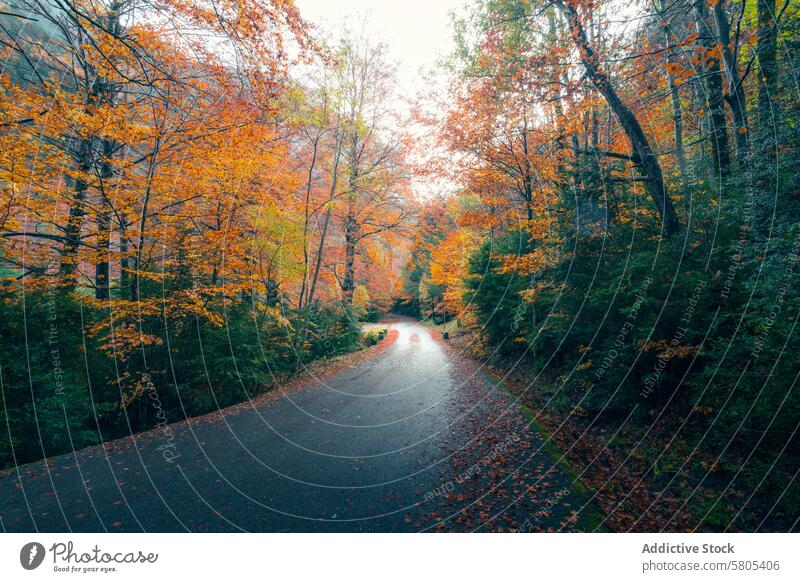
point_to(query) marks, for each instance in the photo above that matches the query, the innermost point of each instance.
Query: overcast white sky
(416, 31)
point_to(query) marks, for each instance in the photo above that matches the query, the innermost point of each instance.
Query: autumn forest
(596, 202)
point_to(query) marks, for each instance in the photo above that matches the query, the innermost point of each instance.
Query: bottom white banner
(373, 557)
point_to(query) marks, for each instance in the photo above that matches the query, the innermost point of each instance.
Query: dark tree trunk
(124, 275)
(766, 50)
(736, 96)
(76, 218)
(527, 178)
(769, 119)
(675, 102)
(99, 91)
(102, 269)
(644, 157)
(351, 226)
(350, 241)
(102, 272)
(558, 107)
(714, 96)
(677, 122)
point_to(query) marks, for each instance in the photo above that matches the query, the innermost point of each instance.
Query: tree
(644, 158)
(373, 203)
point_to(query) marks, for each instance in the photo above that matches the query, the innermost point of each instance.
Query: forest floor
(641, 478)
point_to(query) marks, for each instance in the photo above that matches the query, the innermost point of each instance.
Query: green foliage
(48, 407)
(636, 329)
(373, 336)
(332, 331)
(62, 391)
(495, 297)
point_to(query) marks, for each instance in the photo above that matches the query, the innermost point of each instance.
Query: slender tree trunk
(320, 251)
(76, 218)
(351, 226)
(101, 267)
(124, 275)
(766, 52)
(677, 123)
(735, 96)
(675, 102)
(769, 117)
(644, 158)
(714, 97)
(318, 262)
(148, 191)
(309, 187)
(527, 179)
(350, 242)
(323, 236)
(558, 107)
(102, 271)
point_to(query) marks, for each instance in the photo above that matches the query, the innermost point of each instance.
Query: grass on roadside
(590, 517)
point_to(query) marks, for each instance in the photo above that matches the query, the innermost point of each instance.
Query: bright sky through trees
(417, 31)
(417, 34)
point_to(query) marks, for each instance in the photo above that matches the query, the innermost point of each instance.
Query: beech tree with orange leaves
(169, 184)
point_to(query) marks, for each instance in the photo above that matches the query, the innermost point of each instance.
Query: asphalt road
(410, 438)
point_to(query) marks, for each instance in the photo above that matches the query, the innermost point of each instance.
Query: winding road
(410, 437)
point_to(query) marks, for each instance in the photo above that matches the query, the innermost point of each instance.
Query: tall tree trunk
(735, 96)
(351, 226)
(101, 267)
(107, 95)
(644, 158)
(677, 124)
(102, 271)
(555, 81)
(527, 180)
(323, 236)
(309, 303)
(124, 275)
(350, 242)
(675, 102)
(714, 97)
(76, 218)
(309, 188)
(769, 118)
(766, 51)
(148, 191)
(99, 92)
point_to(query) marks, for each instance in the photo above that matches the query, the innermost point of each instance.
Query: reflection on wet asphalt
(414, 439)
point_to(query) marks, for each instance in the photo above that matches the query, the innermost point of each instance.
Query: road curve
(411, 437)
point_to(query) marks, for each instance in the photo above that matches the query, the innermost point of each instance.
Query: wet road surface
(413, 438)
